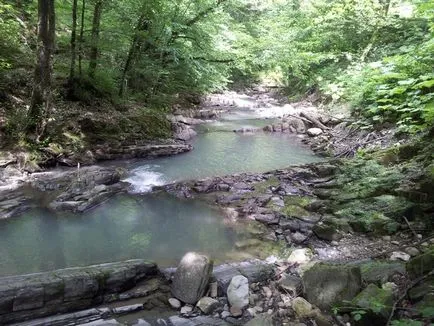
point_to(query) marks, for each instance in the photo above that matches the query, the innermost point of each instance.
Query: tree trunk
(93, 57)
(73, 47)
(41, 95)
(81, 40)
(142, 25)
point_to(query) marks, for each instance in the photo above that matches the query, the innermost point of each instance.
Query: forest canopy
(376, 55)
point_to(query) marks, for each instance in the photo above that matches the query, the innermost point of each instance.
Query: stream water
(155, 227)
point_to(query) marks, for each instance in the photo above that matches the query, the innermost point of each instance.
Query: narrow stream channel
(145, 225)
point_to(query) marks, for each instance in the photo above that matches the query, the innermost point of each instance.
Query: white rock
(313, 132)
(238, 292)
(186, 309)
(399, 255)
(300, 256)
(175, 303)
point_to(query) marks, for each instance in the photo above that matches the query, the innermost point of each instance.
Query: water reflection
(157, 228)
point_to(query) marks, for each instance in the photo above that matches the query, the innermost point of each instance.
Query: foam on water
(144, 177)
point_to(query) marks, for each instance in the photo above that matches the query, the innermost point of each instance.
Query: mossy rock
(373, 222)
(425, 307)
(329, 284)
(375, 301)
(421, 265)
(379, 272)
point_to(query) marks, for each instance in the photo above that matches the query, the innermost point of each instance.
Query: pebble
(396, 243)
(186, 309)
(175, 303)
(335, 243)
(387, 238)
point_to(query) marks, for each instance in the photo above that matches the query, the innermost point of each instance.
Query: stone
(302, 308)
(326, 232)
(238, 292)
(298, 238)
(313, 132)
(399, 255)
(225, 314)
(46, 294)
(329, 284)
(300, 256)
(412, 251)
(421, 265)
(236, 311)
(192, 277)
(186, 309)
(102, 322)
(142, 322)
(291, 284)
(380, 272)
(179, 321)
(127, 309)
(260, 321)
(377, 301)
(208, 305)
(175, 303)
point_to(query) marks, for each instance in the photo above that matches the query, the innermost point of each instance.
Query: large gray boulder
(238, 292)
(329, 284)
(192, 277)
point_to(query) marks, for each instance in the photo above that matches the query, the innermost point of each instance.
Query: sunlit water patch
(155, 227)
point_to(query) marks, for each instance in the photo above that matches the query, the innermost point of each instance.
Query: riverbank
(375, 206)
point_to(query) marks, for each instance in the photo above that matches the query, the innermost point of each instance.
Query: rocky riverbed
(357, 233)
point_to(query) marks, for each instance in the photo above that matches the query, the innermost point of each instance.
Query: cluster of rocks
(283, 200)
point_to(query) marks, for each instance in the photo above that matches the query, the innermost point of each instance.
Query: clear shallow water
(222, 153)
(155, 227)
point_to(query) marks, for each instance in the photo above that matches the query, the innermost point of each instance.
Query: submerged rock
(192, 277)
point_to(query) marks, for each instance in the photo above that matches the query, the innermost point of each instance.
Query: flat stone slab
(31, 296)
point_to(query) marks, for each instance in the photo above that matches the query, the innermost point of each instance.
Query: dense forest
(83, 81)
(374, 55)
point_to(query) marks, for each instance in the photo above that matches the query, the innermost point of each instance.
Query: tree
(41, 95)
(94, 49)
(73, 47)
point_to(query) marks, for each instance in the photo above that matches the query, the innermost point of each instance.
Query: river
(154, 226)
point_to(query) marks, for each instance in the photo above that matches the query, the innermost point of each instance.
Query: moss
(295, 211)
(262, 186)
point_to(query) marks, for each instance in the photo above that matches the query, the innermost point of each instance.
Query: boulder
(377, 302)
(291, 284)
(313, 132)
(329, 284)
(302, 308)
(192, 277)
(207, 305)
(380, 272)
(421, 264)
(238, 292)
